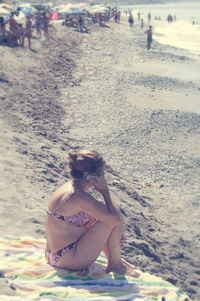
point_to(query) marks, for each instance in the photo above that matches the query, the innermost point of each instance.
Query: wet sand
(105, 91)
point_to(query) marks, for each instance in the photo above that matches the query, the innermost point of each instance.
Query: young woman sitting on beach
(79, 227)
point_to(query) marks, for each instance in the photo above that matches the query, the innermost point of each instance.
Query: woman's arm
(101, 185)
(105, 213)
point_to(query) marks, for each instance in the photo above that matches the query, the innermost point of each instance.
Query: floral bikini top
(80, 219)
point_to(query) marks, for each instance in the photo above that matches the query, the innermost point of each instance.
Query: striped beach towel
(24, 266)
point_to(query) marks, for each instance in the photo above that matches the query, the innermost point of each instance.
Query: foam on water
(180, 34)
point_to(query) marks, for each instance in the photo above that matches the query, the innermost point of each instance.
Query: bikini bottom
(53, 258)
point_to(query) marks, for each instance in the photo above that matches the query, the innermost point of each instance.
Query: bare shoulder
(60, 194)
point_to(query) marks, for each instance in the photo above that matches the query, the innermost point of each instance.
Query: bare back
(60, 233)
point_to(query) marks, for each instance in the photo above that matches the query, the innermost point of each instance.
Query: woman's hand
(100, 184)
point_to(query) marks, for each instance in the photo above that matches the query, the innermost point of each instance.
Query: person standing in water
(130, 20)
(149, 17)
(142, 23)
(149, 37)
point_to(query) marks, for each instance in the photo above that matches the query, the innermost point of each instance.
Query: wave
(181, 34)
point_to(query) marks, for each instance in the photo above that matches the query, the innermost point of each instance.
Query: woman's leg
(112, 250)
(88, 247)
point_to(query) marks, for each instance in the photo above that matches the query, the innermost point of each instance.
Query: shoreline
(95, 97)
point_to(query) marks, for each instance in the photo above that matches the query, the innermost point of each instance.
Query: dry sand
(105, 91)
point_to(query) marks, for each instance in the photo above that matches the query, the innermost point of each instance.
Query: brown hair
(84, 161)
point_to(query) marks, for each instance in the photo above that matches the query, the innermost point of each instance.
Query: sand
(106, 91)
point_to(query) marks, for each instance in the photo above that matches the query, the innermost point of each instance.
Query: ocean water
(184, 33)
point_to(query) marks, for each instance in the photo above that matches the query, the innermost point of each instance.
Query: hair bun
(72, 156)
(75, 173)
(84, 161)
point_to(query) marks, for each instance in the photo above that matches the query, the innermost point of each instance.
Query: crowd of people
(13, 33)
(140, 20)
(148, 32)
(171, 18)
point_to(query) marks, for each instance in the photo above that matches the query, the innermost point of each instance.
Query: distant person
(81, 23)
(116, 18)
(101, 20)
(20, 34)
(119, 16)
(149, 37)
(2, 27)
(169, 19)
(138, 14)
(38, 23)
(142, 23)
(45, 23)
(2, 20)
(131, 20)
(14, 29)
(5, 35)
(28, 32)
(149, 17)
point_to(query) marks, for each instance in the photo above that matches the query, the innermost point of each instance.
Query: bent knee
(120, 227)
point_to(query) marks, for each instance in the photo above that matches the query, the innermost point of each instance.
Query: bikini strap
(65, 200)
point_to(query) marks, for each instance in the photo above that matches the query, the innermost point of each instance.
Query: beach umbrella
(26, 10)
(77, 13)
(49, 4)
(98, 9)
(3, 11)
(6, 18)
(40, 6)
(72, 11)
(69, 7)
(5, 7)
(23, 5)
(82, 6)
